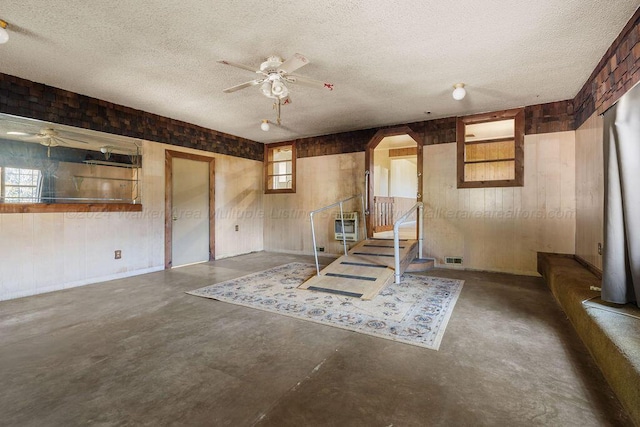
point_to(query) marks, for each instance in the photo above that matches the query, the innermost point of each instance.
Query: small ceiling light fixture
(4, 35)
(459, 91)
(265, 125)
(106, 150)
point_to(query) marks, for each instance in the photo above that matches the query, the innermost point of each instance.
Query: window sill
(281, 191)
(490, 184)
(68, 207)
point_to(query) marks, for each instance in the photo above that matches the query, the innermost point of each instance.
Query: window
(21, 185)
(280, 168)
(491, 149)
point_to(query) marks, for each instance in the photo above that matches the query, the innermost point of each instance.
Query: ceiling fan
(48, 137)
(274, 76)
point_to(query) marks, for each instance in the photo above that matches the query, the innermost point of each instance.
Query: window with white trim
(20, 185)
(280, 168)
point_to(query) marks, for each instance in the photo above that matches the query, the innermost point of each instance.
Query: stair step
(363, 273)
(351, 276)
(420, 264)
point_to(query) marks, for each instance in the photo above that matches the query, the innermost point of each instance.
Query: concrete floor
(139, 351)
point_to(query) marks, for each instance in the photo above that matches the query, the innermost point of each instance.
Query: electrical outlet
(599, 248)
(320, 248)
(237, 227)
(118, 254)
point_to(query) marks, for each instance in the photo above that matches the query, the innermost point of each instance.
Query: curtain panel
(621, 256)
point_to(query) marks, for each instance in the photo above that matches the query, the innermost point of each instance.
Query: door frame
(369, 164)
(168, 202)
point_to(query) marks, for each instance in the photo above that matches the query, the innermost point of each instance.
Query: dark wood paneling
(25, 98)
(616, 73)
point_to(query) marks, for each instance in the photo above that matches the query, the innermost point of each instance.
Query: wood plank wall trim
(541, 118)
(402, 152)
(68, 207)
(592, 268)
(25, 98)
(616, 73)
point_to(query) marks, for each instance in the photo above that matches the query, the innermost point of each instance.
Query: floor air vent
(453, 260)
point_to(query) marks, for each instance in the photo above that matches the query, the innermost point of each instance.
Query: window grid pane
(21, 185)
(279, 167)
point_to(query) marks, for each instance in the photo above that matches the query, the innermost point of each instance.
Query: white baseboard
(59, 287)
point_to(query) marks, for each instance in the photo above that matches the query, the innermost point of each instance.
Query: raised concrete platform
(611, 332)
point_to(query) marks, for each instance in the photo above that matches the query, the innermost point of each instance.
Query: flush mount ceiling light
(4, 35)
(459, 91)
(265, 125)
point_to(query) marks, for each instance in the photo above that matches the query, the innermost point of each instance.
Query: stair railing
(396, 236)
(344, 238)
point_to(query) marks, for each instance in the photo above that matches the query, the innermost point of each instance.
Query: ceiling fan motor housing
(271, 64)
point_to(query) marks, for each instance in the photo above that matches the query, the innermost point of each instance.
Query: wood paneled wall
(321, 181)
(502, 229)
(496, 229)
(590, 190)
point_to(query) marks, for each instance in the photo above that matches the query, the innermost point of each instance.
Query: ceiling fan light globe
(278, 88)
(4, 35)
(266, 89)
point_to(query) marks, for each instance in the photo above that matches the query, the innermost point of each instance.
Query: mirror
(47, 163)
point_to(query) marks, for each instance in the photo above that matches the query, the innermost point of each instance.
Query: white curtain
(621, 257)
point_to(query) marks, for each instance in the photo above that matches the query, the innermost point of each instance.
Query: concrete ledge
(611, 332)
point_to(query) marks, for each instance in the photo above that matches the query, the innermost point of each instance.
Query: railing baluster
(315, 250)
(344, 241)
(344, 235)
(396, 236)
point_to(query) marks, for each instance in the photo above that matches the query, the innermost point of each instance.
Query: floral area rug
(415, 311)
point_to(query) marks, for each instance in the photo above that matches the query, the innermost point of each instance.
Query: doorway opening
(394, 166)
(189, 209)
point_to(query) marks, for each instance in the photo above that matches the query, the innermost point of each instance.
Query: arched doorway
(403, 146)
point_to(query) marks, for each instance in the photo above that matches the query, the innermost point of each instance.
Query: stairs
(367, 269)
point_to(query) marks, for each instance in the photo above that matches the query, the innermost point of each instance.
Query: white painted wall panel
(51, 251)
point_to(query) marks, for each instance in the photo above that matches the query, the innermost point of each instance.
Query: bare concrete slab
(139, 351)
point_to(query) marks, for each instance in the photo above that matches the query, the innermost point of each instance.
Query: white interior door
(190, 212)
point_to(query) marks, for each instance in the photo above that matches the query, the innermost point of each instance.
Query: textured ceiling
(390, 62)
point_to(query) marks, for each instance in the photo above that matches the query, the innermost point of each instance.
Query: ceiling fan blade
(235, 64)
(243, 85)
(65, 138)
(309, 82)
(293, 63)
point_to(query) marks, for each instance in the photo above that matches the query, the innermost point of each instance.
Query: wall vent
(453, 260)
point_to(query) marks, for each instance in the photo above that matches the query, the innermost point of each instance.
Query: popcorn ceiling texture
(617, 71)
(390, 62)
